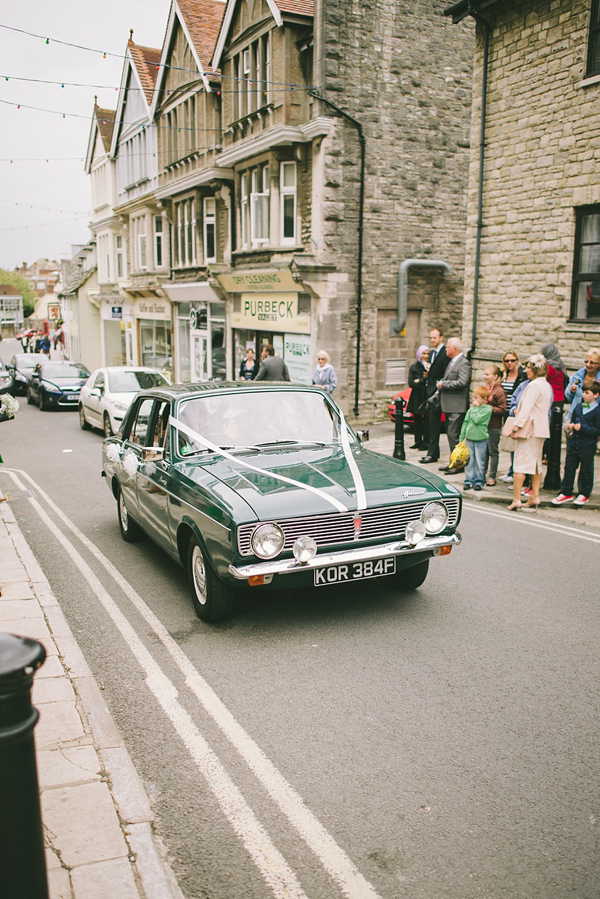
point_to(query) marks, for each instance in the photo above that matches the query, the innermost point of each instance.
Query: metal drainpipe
(403, 268)
(361, 204)
(486, 45)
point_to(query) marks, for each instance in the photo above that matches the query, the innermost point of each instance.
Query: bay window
(287, 202)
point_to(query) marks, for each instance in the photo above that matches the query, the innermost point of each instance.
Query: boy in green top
(475, 432)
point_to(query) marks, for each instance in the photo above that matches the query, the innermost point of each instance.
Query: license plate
(73, 397)
(355, 571)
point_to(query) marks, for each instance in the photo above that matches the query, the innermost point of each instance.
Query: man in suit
(272, 367)
(438, 363)
(454, 393)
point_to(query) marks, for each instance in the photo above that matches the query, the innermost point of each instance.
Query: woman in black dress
(417, 381)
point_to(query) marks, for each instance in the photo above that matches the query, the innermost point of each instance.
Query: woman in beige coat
(530, 428)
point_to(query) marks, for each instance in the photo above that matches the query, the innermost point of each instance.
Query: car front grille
(388, 523)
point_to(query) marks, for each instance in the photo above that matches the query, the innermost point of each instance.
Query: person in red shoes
(582, 439)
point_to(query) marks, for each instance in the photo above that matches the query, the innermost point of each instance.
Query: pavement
(97, 818)
(382, 440)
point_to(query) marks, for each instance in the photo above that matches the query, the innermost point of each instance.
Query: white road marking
(337, 864)
(529, 520)
(270, 862)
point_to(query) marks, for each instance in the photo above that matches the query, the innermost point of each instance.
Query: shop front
(200, 332)
(117, 331)
(267, 308)
(153, 334)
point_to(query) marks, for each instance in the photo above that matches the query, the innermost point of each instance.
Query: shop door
(201, 356)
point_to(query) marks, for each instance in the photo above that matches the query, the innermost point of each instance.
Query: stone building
(536, 273)
(405, 76)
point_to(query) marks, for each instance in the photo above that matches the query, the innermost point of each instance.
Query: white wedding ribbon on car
(208, 444)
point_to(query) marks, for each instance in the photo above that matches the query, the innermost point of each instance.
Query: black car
(56, 385)
(6, 380)
(21, 366)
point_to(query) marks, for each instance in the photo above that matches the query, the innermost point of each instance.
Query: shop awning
(191, 292)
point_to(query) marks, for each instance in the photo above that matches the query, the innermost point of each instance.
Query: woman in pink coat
(530, 428)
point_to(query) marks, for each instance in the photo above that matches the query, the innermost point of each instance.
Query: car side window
(161, 425)
(99, 382)
(139, 428)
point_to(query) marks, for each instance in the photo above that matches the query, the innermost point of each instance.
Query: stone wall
(404, 72)
(542, 149)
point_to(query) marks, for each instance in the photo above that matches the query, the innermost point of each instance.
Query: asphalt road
(340, 741)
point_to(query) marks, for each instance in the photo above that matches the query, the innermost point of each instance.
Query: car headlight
(304, 549)
(267, 541)
(435, 517)
(120, 407)
(415, 532)
(50, 388)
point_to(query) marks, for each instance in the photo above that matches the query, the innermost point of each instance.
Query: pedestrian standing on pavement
(513, 375)
(497, 400)
(438, 361)
(417, 381)
(324, 374)
(272, 367)
(249, 366)
(475, 431)
(454, 394)
(583, 431)
(530, 429)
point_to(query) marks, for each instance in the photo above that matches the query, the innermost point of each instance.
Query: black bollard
(399, 452)
(22, 860)
(553, 480)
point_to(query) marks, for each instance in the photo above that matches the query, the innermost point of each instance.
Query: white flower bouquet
(9, 406)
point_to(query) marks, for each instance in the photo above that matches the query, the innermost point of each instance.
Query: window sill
(583, 324)
(136, 184)
(589, 81)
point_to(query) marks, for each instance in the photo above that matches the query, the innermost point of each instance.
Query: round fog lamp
(267, 541)
(415, 532)
(435, 517)
(304, 549)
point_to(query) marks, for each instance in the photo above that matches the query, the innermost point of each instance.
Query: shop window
(287, 202)
(210, 241)
(593, 63)
(586, 266)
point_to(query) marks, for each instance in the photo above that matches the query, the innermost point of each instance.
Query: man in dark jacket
(272, 367)
(438, 364)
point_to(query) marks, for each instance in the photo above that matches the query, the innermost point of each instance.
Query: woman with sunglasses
(513, 374)
(590, 371)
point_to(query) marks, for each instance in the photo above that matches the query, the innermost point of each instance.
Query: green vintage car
(266, 485)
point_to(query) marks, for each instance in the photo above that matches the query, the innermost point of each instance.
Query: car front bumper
(399, 548)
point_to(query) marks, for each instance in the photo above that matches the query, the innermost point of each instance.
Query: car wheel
(130, 531)
(29, 397)
(213, 600)
(108, 431)
(411, 578)
(84, 423)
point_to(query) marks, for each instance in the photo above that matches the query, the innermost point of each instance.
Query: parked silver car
(108, 392)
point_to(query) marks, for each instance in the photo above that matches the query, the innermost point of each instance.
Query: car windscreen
(255, 419)
(59, 371)
(28, 360)
(132, 381)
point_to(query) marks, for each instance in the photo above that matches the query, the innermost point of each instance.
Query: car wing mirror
(95, 391)
(153, 454)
